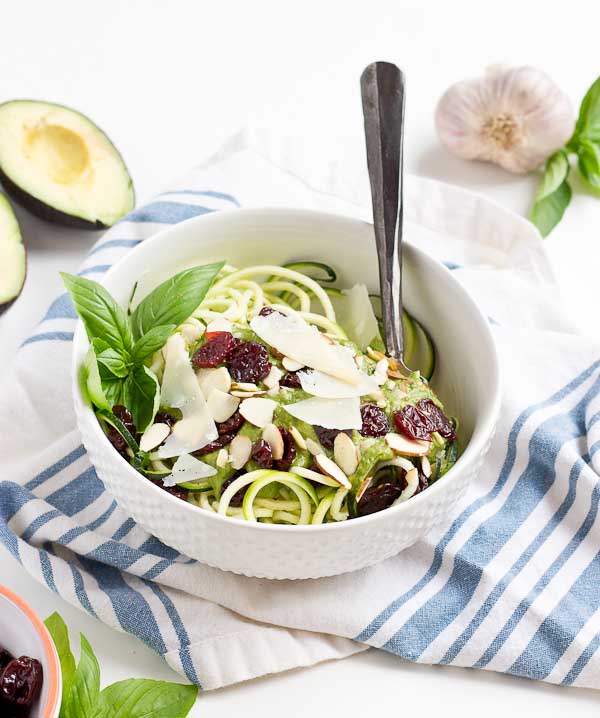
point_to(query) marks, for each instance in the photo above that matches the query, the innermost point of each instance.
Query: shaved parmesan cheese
(302, 342)
(329, 413)
(218, 325)
(180, 390)
(355, 313)
(328, 387)
(188, 468)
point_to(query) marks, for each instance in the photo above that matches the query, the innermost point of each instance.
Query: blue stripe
(157, 569)
(111, 243)
(561, 626)
(519, 564)
(55, 468)
(491, 535)
(155, 546)
(80, 591)
(61, 308)
(77, 531)
(49, 336)
(182, 634)
(166, 212)
(131, 608)
(12, 499)
(595, 418)
(123, 529)
(582, 661)
(38, 522)
(47, 572)
(594, 447)
(204, 193)
(82, 491)
(510, 625)
(96, 269)
(391, 609)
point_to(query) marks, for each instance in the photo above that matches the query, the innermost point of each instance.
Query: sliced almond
(313, 447)
(395, 374)
(363, 487)
(272, 436)
(247, 394)
(218, 325)
(291, 365)
(244, 386)
(329, 467)
(273, 377)
(258, 411)
(154, 435)
(314, 476)
(221, 405)
(407, 447)
(210, 379)
(345, 453)
(426, 467)
(298, 438)
(381, 370)
(239, 451)
(222, 458)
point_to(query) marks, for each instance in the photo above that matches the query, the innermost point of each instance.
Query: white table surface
(169, 81)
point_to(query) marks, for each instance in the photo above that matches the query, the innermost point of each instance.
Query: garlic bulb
(513, 116)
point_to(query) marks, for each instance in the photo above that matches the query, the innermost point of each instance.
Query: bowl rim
(52, 705)
(483, 429)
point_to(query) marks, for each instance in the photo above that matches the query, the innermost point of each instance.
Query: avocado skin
(45, 211)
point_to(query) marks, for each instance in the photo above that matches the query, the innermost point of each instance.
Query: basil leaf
(554, 194)
(142, 698)
(60, 635)
(85, 687)
(117, 362)
(102, 316)
(588, 122)
(173, 301)
(588, 160)
(151, 342)
(141, 395)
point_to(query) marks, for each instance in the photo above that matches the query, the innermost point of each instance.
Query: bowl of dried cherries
(30, 677)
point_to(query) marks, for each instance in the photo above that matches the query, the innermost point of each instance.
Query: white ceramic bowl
(22, 633)
(466, 378)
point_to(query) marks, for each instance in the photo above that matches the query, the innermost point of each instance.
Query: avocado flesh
(61, 166)
(13, 261)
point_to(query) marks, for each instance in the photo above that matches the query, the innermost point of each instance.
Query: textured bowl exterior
(298, 552)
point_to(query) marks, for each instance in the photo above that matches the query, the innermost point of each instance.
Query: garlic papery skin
(515, 117)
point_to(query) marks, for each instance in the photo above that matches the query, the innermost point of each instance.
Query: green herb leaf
(151, 342)
(141, 698)
(588, 122)
(173, 301)
(85, 687)
(554, 194)
(141, 395)
(117, 362)
(102, 316)
(588, 154)
(60, 635)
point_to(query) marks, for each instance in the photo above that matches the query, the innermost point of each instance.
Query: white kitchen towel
(509, 584)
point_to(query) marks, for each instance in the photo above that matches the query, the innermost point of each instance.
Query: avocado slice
(13, 260)
(58, 164)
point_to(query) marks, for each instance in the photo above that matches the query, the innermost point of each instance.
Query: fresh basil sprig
(554, 194)
(133, 698)
(121, 343)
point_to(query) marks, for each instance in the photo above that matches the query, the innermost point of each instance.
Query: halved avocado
(13, 260)
(58, 164)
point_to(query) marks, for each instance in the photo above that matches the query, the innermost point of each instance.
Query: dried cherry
(215, 445)
(238, 498)
(20, 683)
(291, 380)
(327, 436)
(249, 362)
(378, 498)
(215, 350)
(438, 419)
(414, 423)
(232, 425)
(374, 421)
(263, 454)
(289, 451)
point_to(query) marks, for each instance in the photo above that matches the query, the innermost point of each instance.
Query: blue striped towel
(509, 584)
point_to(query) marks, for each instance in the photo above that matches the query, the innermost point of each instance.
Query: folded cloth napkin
(509, 584)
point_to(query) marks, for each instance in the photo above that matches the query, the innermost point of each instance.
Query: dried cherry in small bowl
(34, 666)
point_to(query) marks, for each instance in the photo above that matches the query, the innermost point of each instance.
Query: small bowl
(23, 633)
(467, 379)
